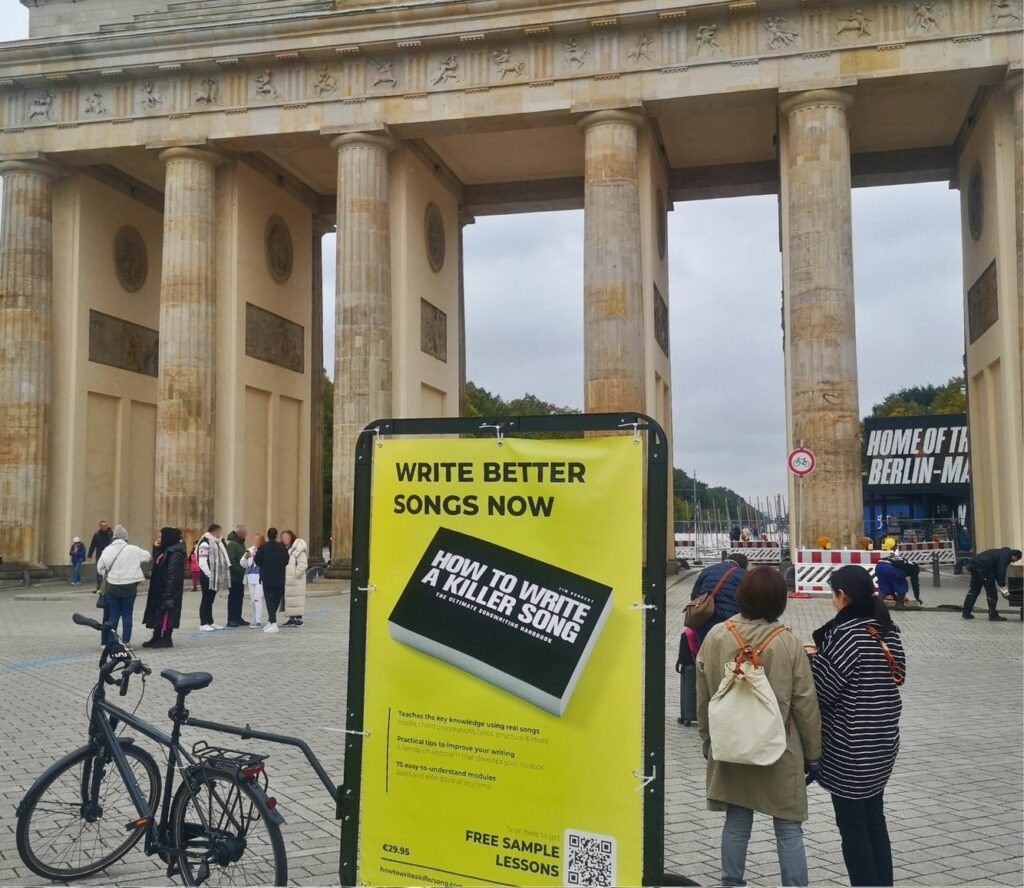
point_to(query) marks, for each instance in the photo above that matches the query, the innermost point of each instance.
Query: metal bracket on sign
(497, 430)
(635, 426)
(646, 779)
(645, 607)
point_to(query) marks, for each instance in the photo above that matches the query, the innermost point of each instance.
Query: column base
(339, 569)
(15, 570)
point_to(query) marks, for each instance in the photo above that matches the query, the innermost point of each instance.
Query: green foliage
(480, 402)
(711, 500)
(921, 400)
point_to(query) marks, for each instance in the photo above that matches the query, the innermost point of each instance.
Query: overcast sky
(524, 312)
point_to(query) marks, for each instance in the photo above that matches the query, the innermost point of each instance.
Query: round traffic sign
(801, 462)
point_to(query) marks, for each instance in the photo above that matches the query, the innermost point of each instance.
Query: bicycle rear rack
(246, 764)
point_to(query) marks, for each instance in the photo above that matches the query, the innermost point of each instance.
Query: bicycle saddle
(184, 682)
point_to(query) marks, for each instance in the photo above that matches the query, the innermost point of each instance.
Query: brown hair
(762, 594)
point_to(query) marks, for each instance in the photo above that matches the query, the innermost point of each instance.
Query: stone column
(185, 414)
(1015, 85)
(822, 337)
(612, 279)
(464, 220)
(316, 395)
(26, 307)
(362, 339)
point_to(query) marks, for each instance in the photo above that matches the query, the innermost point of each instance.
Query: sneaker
(289, 622)
(996, 618)
(255, 624)
(271, 627)
(209, 628)
(233, 624)
(298, 621)
(968, 616)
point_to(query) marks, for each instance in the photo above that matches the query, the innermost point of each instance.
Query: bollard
(725, 554)
(936, 579)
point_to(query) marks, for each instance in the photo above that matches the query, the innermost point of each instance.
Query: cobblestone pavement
(954, 804)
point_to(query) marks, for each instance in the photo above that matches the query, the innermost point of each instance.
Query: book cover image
(523, 625)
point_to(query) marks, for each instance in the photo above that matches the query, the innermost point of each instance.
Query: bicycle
(217, 826)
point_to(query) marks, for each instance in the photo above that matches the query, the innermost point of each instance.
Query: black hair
(1015, 554)
(212, 528)
(739, 558)
(856, 582)
(271, 533)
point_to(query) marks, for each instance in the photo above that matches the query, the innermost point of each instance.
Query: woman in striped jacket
(857, 670)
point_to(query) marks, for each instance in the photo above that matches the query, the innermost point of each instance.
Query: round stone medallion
(130, 259)
(662, 226)
(279, 249)
(975, 203)
(435, 237)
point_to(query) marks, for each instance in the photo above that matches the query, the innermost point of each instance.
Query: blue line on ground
(46, 661)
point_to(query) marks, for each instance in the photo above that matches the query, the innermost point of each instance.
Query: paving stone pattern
(954, 804)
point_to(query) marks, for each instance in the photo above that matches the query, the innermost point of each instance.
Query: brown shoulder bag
(702, 608)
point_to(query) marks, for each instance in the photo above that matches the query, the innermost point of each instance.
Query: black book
(521, 624)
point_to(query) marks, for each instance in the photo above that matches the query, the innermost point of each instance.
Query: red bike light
(252, 771)
(271, 802)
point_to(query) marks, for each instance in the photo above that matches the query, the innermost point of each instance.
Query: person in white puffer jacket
(121, 566)
(295, 579)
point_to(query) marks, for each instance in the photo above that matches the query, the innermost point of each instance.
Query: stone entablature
(43, 86)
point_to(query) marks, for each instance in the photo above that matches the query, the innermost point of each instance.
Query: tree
(921, 400)
(480, 402)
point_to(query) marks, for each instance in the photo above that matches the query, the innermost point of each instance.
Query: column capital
(621, 117)
(39, 167)
(793, 102)
(322, 224)
(371, 139)
(185, 152)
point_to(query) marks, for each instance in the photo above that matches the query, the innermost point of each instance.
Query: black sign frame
(652, 582)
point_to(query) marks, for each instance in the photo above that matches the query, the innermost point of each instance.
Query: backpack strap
(748, 653)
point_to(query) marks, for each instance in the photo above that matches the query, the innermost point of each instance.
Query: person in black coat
(100, 540)
(272, 560)
(988, 570)
(166, 588)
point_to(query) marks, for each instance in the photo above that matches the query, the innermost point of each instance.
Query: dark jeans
(272, 596)
(119, 608)
(235, 599)
(866, 848)
(206, 604)
(76, 572)
(978, 580)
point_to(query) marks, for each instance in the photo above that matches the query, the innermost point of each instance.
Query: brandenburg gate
(170, 166)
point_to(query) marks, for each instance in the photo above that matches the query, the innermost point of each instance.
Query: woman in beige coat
(295, 579)
(778, 790)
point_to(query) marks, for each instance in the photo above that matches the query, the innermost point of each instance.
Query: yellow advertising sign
(504, 664)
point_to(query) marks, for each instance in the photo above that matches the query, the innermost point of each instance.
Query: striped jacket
(860, 706)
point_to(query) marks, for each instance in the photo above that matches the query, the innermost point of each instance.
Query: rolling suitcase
(687, 670)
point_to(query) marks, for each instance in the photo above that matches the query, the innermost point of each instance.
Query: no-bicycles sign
(801, 462)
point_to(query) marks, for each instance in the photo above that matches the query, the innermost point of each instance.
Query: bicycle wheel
(65, 831)
(224, 829)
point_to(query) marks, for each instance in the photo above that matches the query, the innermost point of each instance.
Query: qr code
(589, 858)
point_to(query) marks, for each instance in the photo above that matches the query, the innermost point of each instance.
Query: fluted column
(26, 307)
(316, 396)
(612, 280)
(185, 417)
(1016, 87)
(362, 350)
(822, 345)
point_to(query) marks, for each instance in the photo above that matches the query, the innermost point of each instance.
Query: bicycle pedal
(202, 873)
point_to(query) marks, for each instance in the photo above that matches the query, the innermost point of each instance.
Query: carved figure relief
(264, 81)
(1003, 12)
(385, 73)
(446, 71)
(41, 106)
(641, 50)
(434, 231)
(274, 339)
(208, 92)
(122, 344)
(433, 331)
(779, 36)
(574, 53)
(925, 18)
(506, 67)
(661, 321)
(855, 23)
(130, 260)
(150, 97)
(324, 83)
(94, 104)
(278, 242)
(707, 39)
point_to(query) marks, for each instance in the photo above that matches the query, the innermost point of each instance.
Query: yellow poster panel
(504, 664)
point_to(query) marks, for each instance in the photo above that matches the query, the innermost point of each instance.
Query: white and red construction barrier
(686, 547)
(757, 551)
(922, 553)
(814, 567)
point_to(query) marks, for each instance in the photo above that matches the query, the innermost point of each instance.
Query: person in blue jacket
(988, 570)
(726, 605)
(891, 581)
